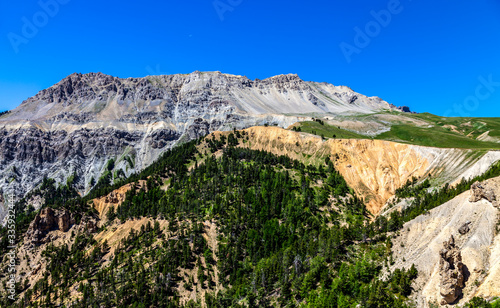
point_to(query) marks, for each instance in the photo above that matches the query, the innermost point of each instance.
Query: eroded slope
(474, 226)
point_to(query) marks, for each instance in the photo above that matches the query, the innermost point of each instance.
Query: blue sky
(436, 56)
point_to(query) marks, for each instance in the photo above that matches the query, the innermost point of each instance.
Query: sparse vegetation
(478, 302)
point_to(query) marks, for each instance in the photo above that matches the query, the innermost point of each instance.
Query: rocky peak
(345, 88)
(75, 88)
(93, 78)
(451, 270)
(283, 79)
(114, 98)
(405, 109)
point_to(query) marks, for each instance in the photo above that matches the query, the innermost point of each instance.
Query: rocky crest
(451, 270)
(480, 191)
(402, 108)
(81, 98)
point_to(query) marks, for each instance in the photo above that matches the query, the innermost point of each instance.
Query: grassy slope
(440, 132)
(466, 126)
(328, 131)
(446, 132)
(434, 137)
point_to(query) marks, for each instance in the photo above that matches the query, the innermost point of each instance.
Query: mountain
(96, 96)
(221, 221)
(213, 190)
(76, 127)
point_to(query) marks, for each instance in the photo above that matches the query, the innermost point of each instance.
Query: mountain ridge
(77, 125)
(288, 94)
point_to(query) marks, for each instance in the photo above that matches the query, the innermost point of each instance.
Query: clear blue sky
(430, 56)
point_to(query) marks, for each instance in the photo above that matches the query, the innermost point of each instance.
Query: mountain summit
(99, 96)
(76, 126)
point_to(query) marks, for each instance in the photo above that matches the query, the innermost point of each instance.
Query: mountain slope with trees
(219, 225)
(288, 234)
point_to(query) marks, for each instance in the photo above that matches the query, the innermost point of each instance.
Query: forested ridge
(288, 235)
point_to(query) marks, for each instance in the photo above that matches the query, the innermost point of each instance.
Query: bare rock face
(27, 155)
(451, 270)
(403, 109)
(480, 191)
(55, 220)
(40, 147)
(48, 220)
(160, 138)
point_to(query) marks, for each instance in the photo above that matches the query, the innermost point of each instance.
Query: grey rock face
(160, 138)
(76, 126)
(27, 155)
(402, 108)
(38, 147)
(86, 97)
